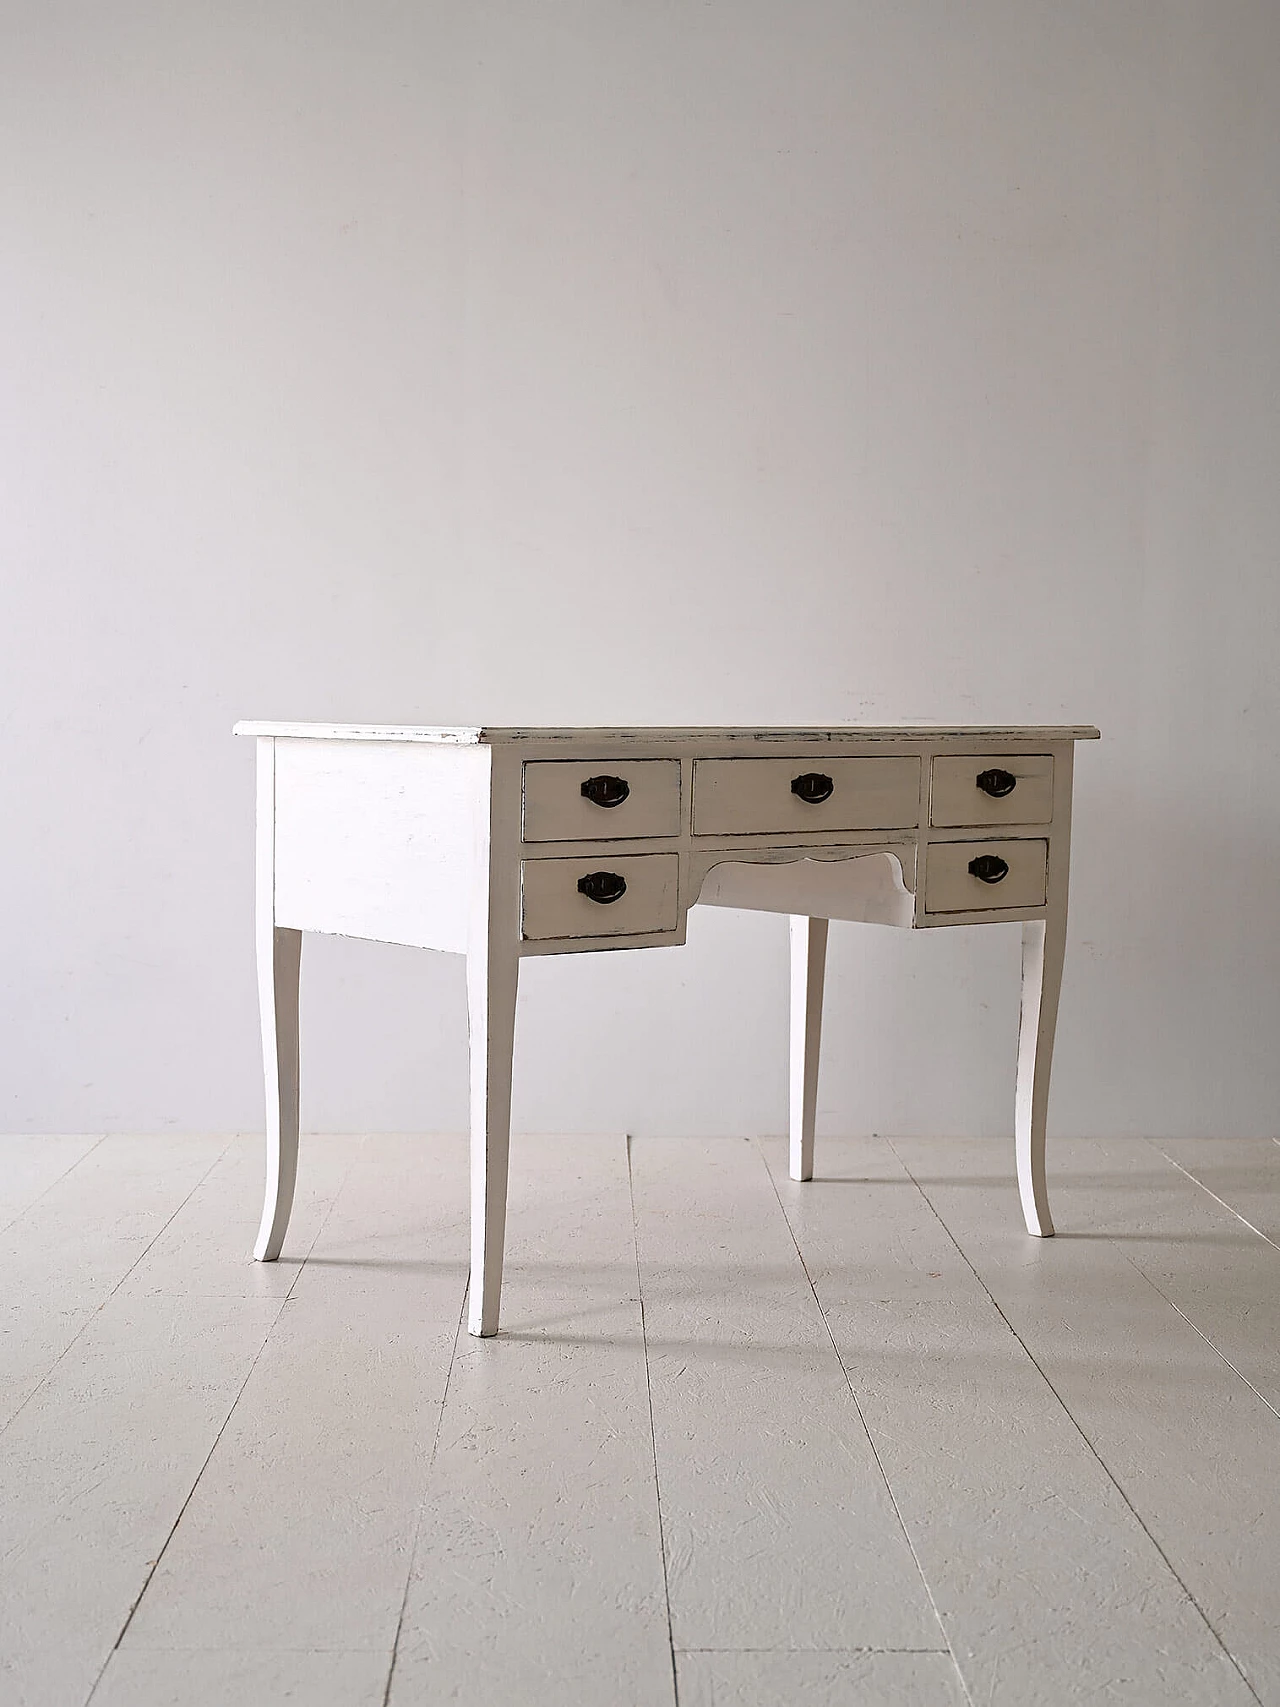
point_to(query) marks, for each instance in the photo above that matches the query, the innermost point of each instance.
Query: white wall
(608, 362)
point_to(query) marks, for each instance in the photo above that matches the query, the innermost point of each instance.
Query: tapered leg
(808, 966)
(491, 1002)
(279, 961)
(1043, 943)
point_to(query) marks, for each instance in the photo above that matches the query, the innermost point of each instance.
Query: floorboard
(1188, 1442)
(1243, 1173)
(1196, 1251)
(538, 1572)
(1048, 1586)
(65, 1254)
(856, 1441)
(96, 1466)
(30, 1164)
(298, 1535)
(819, 1680)
(779, 1528)
(255, 1677)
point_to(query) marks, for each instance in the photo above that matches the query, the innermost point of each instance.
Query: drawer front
(621, 799)
(755, 796)
(976, 790)
(951, 887)
(552, 905)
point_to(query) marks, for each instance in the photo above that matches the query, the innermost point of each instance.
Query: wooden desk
(502, 843)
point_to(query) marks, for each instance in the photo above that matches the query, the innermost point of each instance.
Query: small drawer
(599, 895)
(992, 788)
(582, 801)
(745, 797)
(966, 877)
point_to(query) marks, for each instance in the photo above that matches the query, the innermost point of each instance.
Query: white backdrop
(661, 361)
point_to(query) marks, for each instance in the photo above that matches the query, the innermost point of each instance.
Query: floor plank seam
(422, 1504)
(190, 1495)
(1235, 1213)
(101, 1306)
(1066, 1411)
(1204, 1336)
(815, 1650)
(222, 1428)
(39, 1198)
(653, 1436)
(1161, 1293)
(875, 1451)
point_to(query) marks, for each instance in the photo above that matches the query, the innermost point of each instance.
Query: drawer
(756, 796)
(582, 801)
(552, 905)
(976, 789)
(950, 886)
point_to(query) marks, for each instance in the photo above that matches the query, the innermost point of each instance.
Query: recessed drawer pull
(813, 787)
(605, 886)
(987, 868)
(997, 784)
(605, 791)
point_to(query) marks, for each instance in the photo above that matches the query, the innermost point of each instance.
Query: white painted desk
(501, 843)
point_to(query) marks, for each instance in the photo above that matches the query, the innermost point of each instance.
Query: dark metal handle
(813, 788)
(603, 886)
(606, 790)
(989, 868)
(997, 783)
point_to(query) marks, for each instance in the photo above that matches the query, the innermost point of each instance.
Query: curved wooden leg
(1043, 943)
(491, 1012)
(279, 962)
(808, 966)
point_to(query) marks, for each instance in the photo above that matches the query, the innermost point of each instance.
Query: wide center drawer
(975, 877)
(762, 796)
(599, 895)
(576, 801)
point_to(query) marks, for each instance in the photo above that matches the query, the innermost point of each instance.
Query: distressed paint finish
(744, 1473)
(277, 1435)
(481, 842)
(1022, 1517)
(541, 1517)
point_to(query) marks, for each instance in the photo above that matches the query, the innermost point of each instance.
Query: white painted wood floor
(742, 1443)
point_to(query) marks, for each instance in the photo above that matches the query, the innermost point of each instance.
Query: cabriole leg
(1043, 943)
(491, 1005)
(279, 961)
(808, 965)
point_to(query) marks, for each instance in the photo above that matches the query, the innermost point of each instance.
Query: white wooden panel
(955, 797)
(551, 905)
(1212, 1265)
(96, 1467)
(779, 1529)
(1048, 1584)
(950, 887)
(801, 1679)
(1192, 1448)
(556, 810)
(538, 1576)
(67, 1253)
(1243, 1173)
(753, 796)
(379, 841)
(30, 1164)
(318, 1475)
(267, 1678)
(865, 887)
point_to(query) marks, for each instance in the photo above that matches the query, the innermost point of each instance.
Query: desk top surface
(470, 735)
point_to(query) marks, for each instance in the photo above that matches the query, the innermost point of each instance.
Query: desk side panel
(385, 841)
